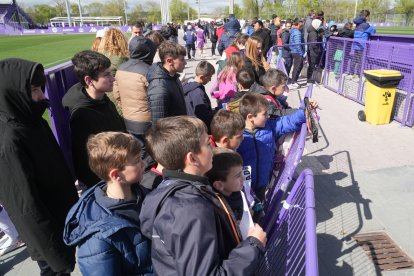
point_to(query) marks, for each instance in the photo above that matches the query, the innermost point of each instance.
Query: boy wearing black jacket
(193, 230)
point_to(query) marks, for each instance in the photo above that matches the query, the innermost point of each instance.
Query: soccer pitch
(50, 50)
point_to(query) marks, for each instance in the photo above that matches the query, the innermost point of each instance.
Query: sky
(206, 6)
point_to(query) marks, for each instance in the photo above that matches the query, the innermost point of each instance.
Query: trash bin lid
(383, 75)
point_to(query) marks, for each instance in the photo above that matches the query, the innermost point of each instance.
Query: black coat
(36, 186)
(165, 94)
(264, 34)
(314, 50)
(198, 103)
(258, 73)
(87, 117)
(191, 233)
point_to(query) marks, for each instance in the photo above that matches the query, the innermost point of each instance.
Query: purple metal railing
(345, 66)
(59, 79)
(292, 247)
(279, 187)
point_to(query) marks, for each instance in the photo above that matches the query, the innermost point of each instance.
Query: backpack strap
(272, 100)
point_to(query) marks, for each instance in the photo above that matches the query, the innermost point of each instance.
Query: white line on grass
(55, 62)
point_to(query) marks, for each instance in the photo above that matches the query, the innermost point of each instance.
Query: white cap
(100, 33)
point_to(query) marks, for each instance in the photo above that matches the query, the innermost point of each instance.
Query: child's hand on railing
(257, 232)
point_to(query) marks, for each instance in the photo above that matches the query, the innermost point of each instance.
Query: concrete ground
(363, 176)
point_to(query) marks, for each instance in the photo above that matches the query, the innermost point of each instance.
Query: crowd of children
(171, 184)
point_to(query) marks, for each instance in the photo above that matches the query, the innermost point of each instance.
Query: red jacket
(219, 32)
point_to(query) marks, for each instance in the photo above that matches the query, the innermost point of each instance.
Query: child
(91, 111)
(104, 223)
(196, 99)
(245, 79)
(274, 82)
(225, 86)
(226, 177)
(165, 91)
(259, 143)
(193, 230)
(227, 129)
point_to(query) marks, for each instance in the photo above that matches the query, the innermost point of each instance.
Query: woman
(201, 38)
(254, 58)
(157, 38)
(226, 85)
(114, 45)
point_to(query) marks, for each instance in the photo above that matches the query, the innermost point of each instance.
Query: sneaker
(12, 247)
(295, 85)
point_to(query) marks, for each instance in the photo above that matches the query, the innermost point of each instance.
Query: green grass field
(50, 50)
(395, 30)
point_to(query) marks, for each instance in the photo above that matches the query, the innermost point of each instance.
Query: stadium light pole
(356, 7)
(125, 10)
(68, 13)
(231, 6)
(80, 13)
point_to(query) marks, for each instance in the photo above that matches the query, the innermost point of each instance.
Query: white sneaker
(12, 247)
(295, 85)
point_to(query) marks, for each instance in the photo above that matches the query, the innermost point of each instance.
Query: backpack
(189, 38)
(233, 105)
(224, 90)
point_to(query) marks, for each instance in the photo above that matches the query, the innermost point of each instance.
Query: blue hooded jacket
(258, 148)
(362, 32)
(107, 234)
(231, 29)
(296, 37)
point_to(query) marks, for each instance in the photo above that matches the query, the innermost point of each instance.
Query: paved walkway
(363, 183)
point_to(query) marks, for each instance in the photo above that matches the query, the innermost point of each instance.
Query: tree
(250, 9)
(41, 13)
(60, 7)
(179, 10)
(93, 9)
(154, 11)
(407, 8)
(238, 12)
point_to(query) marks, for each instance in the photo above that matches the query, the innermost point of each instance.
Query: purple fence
(280, 185)
(59, 79)
(292, 248)
(347, 59)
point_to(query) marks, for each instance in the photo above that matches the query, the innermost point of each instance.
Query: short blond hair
(111, 150)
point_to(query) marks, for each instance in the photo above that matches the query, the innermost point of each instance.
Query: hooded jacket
(191, 232)
(197, 101)
(165, 93)
(258, 147)
(314, 50)
(362, 32)
(296, 37)
(88, 116)
(108, 235)
(130, 88)
(231, 30)
(36, 186)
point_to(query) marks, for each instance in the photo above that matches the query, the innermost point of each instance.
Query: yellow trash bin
(380, 94)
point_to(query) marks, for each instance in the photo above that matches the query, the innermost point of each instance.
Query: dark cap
(258, 21)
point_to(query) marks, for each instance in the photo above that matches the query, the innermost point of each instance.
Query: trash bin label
(386, 95)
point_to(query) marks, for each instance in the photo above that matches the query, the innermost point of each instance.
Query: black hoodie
(191, 232)
(88, 116)
(36, 186)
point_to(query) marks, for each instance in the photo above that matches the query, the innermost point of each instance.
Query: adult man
(264, 34)
(308, 22)
(137, 30)
(36, 186)
(274, 27)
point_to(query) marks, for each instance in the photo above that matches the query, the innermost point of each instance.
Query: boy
(226, 177)
(193, 232)
(104, 223)
(90, 109)
(165, 91)
(274, 82)
(227, 129)
(260, 135)
(36, 186)
(196, 99)
(245, 80)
